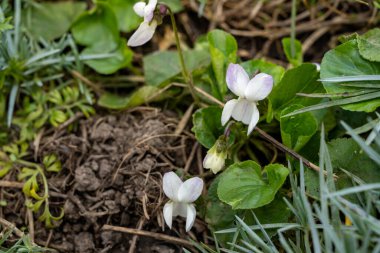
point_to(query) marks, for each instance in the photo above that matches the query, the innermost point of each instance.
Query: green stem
(188, 78)
(293, 29)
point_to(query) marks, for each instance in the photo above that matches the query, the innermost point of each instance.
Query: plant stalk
(185, 73)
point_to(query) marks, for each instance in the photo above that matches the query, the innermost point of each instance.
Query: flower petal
(168, 214)
(259, 87)
(237, 79)
(190, 190)
(139, 8)
(227, 110)
(254, 119)
(243, 111)
(149, 10)
(171, 185)
(180, 209)
(143, 34)
(190, 219)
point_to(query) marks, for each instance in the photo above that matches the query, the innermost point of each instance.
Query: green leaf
(302, 79)
(345, 60)
(52, 19)
(207, 125)
(142, 95)
(252, 66)
(122, 58)
(4, 168)
(127, 19)
(218, 214)
(97, 27)
(346, 154)
(223, 51)
(174, 5)
(243, 185)
(51, 163)
(369, 45)
(297, 130)
(160, 67)
(297, 58)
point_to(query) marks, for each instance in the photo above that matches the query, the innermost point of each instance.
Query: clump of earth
(112, 168)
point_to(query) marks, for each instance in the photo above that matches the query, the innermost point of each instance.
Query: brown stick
(157, 236)
(10, 225)
(11, 184)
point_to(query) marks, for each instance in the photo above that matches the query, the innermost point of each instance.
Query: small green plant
(33, 175)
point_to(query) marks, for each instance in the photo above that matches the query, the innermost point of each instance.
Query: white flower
(147, 28)
(181, 195)
(216, 156)
(244, 108)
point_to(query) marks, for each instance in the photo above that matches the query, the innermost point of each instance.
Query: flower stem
(188, 78)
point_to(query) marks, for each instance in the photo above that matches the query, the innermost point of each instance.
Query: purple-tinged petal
(259, 87)
(171, 184)
(254, 119)
(149, 10)
(237, 79)
(190, 190)
(227, 111)
(143, 34)
(139, 8)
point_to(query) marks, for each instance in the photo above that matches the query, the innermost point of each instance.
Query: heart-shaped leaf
(244, 186)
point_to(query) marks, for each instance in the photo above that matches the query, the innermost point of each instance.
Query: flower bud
(216, 156)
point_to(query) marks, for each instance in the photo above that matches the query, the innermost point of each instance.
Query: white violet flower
(244, 108)
(181, 195)
(216, 156)
(147, 28)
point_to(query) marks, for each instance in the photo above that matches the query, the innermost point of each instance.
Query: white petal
(227, 110)
(149, 10)
(171, 185)
(190, 190)
(237, 79)
(259, 87)
(254, 120)
(180, 209)
(143, 34)
(139, 8)
(243, 111)
(190, 219)
(168, 214)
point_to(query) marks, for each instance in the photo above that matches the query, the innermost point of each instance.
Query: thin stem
(293, 29)
(188, 78)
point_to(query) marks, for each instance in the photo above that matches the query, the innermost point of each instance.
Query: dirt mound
(112, 174)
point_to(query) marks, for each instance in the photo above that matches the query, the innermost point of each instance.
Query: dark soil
(112, 174)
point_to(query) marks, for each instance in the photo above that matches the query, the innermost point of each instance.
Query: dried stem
(157, 236)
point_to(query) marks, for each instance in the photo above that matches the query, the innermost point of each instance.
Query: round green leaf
(243, 185)
(207, 126)
(122, 57)
(345, 60)
(97, 27)
(50, 20)
(369, 45)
